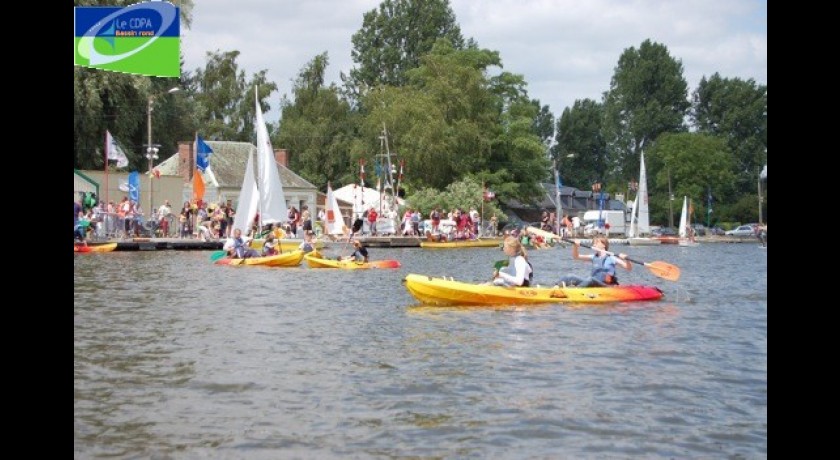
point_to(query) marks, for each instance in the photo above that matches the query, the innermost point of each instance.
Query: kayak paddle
(501, 263)
(661, 269)
(216, 255)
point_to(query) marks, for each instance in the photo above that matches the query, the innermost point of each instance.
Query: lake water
(177, 358)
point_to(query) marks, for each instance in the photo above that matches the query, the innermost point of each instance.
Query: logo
(143, 39)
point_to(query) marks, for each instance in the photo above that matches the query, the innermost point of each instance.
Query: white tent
(362, 198)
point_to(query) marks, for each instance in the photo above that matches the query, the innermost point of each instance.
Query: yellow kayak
(441, 291)
(482, 243)
(286, 244)
(286, 259)
(315, 260)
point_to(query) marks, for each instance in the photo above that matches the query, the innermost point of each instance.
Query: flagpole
(106, 175)
(483, 191)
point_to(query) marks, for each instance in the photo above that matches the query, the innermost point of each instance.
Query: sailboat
(249, 199)
(640, 218)
(335, 223)
(686, 235)
(263, 192)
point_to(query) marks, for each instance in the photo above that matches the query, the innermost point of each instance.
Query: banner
(142, 39)
(203, 151)
(198, 186)
(134, 186)
(114, 151)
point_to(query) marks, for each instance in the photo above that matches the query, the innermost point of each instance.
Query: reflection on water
(176, 357)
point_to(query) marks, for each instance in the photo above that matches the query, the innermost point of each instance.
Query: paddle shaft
(661, 269)
(589, 246)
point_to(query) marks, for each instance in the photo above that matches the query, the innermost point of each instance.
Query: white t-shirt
(521, 271)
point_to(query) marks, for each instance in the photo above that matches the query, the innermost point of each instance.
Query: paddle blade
(216, 255)
(501, 263)
(664, 270)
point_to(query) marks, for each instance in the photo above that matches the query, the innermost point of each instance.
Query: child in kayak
(270, 246)
(519, 271)
(237, 246)
(360, 254)
(603, 265)
(306, 246)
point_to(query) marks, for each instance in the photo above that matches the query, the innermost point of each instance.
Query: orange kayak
(107, 247)
(315, 261)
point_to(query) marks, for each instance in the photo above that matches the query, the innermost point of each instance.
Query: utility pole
(557, 202)
(670, 201)
(760, 200)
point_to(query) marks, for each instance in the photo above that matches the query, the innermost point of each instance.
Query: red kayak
(107, 247)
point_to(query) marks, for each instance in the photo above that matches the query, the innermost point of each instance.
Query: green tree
(581, 151)
(695, 163)
(118, 103)
(543, 123)
(465, 193)
(318, 128)
(735, 110)
(452, 119)
(224, 100)
(394, 38)
(648, 96)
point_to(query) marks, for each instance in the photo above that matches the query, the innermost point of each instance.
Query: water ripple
(177, 358)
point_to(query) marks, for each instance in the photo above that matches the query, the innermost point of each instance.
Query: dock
(188, 244)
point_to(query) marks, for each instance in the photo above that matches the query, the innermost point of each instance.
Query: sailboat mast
(261, 213)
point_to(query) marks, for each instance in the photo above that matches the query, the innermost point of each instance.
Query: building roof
(228, 165)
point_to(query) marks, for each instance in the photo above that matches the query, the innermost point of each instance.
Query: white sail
(631, 233)
(684, 219)
(272, 200)
(249, 199)
(643, 215)
(335, 223)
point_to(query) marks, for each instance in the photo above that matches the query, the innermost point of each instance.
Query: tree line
(453, 114)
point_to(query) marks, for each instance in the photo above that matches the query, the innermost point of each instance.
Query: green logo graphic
(143, 39)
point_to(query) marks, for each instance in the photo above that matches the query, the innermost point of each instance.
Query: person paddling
(519, 271)
(603, 265)
(360, 253)
(238, 248)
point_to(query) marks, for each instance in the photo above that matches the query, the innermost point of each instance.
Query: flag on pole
(115, 152)
(203, 151)
(198, 186)
(134, 186)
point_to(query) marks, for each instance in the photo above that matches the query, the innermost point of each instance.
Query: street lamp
(152, 149)
(596, 188)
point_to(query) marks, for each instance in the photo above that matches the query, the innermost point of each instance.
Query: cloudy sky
(565, 49)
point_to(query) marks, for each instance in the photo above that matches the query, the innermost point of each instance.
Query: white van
(618, 226)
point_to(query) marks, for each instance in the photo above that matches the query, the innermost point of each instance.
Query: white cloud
(565, 49)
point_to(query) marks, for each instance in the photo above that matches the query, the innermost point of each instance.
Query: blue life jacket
(604, 269)
(239, 248)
